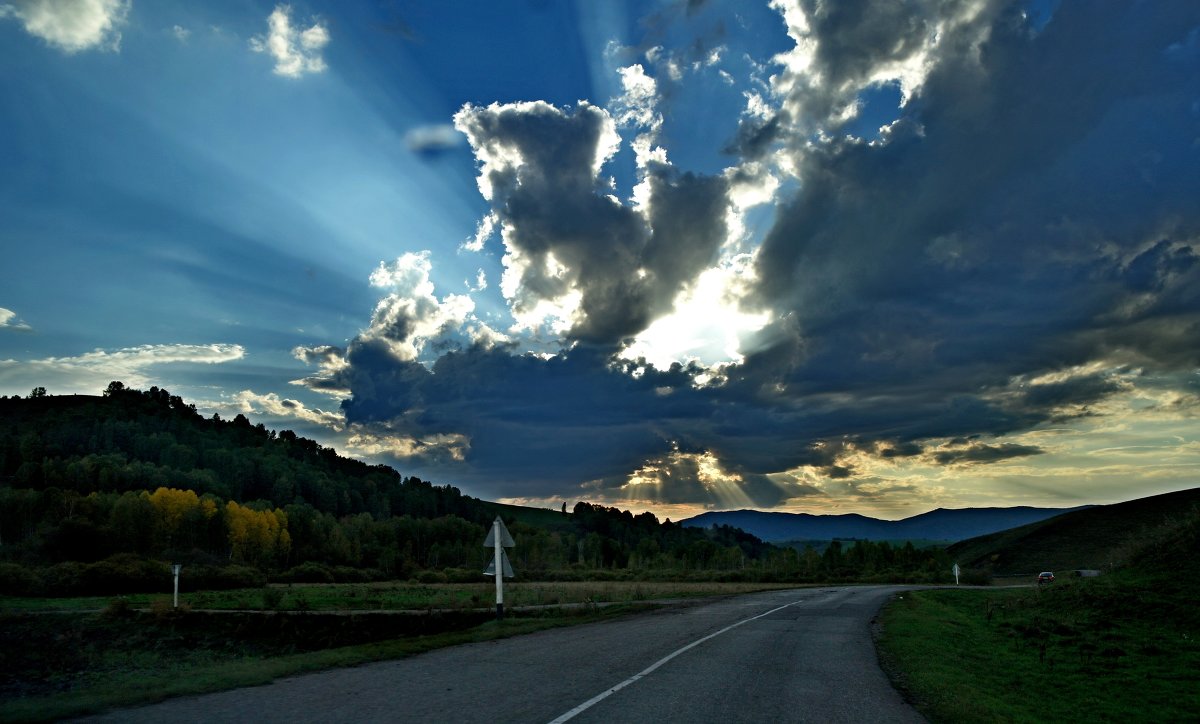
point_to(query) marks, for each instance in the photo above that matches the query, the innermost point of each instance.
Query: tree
(37, 392)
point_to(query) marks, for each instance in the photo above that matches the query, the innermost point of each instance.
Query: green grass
(1120, 648)
(400, 596)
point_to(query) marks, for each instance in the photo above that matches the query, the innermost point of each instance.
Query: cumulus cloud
(10, 321)
(577, 259)
(296, 51)
(249, 402)
(410, 315)
(72, 25)
(91, 372)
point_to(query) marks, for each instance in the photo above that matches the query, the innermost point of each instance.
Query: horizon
(672, 257)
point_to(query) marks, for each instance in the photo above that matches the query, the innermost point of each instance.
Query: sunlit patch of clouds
(181, 33)
(296, 51)
(444, 447)
(249, 402)
(411, 314)
(72, 25)
(10, 321)
(330, 361)
(91, 372)
(483, 231)
(707, 324)
(694, 478)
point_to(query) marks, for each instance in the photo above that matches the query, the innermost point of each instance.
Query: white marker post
(499, 539)
(175, 567)
(956, 569)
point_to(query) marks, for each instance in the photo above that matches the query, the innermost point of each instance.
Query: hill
(941, 524)
(98, 491)
(1100, 537)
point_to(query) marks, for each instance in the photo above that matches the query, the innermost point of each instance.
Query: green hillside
(97, 493)
(1096, 538)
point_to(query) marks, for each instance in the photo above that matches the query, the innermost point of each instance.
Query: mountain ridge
(952, 524)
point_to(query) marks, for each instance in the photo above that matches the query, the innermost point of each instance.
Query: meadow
(1118, 648)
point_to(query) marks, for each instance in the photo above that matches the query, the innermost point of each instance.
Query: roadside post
(956, 569)
(175, 567)
(499, 539)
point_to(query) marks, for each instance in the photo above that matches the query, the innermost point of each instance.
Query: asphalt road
(786, 656)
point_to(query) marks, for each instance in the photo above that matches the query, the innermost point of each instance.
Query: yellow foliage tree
(257, 536)
(174, 508)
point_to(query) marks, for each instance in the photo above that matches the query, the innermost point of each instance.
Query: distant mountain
(1101, 537)
(940, 524)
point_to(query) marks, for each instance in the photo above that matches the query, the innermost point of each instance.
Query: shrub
(64, 579)
(432, 577)
(16, 580)
(307, 573)
(126, 573)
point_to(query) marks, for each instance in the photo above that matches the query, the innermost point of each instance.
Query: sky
(666, 255)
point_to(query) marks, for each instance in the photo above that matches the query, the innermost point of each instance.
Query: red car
(1045, 577)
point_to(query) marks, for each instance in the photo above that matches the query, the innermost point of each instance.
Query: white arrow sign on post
(499, 539)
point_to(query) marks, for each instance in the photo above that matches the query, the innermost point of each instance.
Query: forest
(100, 493)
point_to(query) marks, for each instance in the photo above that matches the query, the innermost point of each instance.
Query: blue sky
(676, 256)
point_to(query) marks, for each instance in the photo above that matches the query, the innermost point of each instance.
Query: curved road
(786, 656)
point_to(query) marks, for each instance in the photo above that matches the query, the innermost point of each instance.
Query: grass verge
(72, 665)
(401, 596)
(1111, 649)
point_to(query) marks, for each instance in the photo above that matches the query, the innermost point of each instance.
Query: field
(66, 657)
(1109, 649)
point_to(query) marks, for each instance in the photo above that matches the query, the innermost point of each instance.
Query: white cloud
(483, 232)
(249, 402)
(411, 315)
(295, 51)
(10, 320)
(72, 25)
(445, 447)
(181, 33)
(91, 372)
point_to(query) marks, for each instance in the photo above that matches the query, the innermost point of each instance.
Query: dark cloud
(976, 244)
(986, 453)
(1031, 216)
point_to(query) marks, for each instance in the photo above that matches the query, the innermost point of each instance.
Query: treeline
(108, 488)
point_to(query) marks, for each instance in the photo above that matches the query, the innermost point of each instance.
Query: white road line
(648, 670)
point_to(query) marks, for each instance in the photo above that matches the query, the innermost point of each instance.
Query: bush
(220, 578)
(64, 579)
(126, 573)
(432, 577)
(307, 573)
(16, 580)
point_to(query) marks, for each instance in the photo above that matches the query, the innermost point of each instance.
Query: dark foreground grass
(65, 665)
(394, 595)
(1113, 649)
